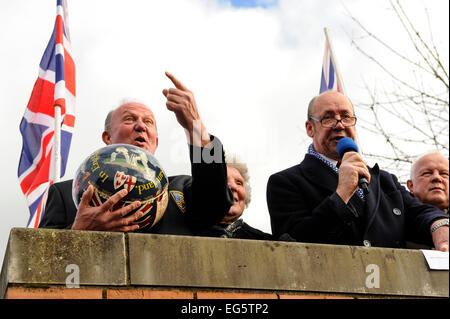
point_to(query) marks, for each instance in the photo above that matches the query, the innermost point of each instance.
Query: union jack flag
(55, 85)
(328, 80)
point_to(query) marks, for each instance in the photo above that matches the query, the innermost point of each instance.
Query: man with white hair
(429, 180)
(196, 202)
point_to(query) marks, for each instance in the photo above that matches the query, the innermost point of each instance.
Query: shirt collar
(332, 161)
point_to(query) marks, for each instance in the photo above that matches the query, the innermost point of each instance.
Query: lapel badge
(178, 198)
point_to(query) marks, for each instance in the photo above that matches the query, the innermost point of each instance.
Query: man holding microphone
(320, 201)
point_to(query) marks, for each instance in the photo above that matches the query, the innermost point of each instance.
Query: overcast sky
(252, 65)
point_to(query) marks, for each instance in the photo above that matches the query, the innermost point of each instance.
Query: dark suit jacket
(303, 202)
(240, 230)
(207, 199)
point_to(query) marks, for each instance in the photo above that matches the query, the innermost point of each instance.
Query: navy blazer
(303, 202)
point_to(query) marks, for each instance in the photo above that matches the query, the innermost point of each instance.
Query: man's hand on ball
(104, 217)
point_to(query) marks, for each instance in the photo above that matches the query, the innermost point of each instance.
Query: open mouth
(140, 139)
(337, 138)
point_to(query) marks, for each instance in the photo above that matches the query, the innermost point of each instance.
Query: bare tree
(417, 101)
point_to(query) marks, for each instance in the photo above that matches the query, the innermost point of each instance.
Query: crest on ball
(122, 166)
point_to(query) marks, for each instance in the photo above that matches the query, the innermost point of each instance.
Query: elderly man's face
(429, 181)
(133, 123)
(236, 184)
(325, 139)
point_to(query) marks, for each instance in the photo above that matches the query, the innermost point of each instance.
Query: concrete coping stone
(61, 257)
(48, 256)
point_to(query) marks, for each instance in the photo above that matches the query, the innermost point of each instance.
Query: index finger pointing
(176, 82)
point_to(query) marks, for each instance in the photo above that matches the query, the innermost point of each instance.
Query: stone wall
(44, 263)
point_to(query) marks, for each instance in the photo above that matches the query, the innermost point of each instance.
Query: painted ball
(122, 166)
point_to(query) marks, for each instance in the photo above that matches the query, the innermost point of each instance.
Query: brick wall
(58, 292)
(43, 263)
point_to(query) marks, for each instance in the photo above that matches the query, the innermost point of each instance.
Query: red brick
(169, 294)
(125, 294)
(294, 296)
(147, 294)
(53, 293)
(234, 295)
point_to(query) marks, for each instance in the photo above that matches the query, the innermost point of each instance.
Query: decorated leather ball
(123, 166)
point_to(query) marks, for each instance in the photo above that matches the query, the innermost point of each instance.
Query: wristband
(439, 224)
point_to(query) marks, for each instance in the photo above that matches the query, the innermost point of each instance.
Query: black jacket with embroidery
(205, 198)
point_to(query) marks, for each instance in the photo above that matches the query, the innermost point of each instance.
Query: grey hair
(310, 106)
(233, 161)
(108, 121)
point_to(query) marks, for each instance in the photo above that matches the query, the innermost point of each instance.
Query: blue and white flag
(328, 80)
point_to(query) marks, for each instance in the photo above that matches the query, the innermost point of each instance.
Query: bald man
(319, 200)
(429, 180)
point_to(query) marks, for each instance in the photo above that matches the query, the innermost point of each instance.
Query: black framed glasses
(332, 122)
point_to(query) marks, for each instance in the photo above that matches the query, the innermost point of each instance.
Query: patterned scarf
(312, 152)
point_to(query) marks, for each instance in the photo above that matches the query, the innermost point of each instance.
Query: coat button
(397, 211)
(367, 243)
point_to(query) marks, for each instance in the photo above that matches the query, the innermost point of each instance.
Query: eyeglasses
(332, 122)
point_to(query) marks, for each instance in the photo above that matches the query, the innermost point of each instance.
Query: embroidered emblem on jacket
(178, 197)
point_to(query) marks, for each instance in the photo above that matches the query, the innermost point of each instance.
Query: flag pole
(59, 90)
(339, 79)
(338, 74)
(57, 145)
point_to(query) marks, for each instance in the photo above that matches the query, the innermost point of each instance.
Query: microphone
(345, 145)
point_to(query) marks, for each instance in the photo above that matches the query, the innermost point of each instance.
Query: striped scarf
(312, 152)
